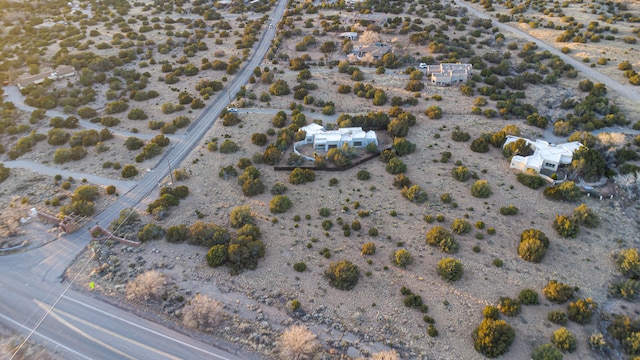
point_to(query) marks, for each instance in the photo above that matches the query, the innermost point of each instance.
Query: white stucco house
(324, 140)
(448, 73)
(545, 156)
(351, 35)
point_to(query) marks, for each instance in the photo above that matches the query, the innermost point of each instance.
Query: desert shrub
(509, 306)
(460, 173)
(178, 233)
(230, 119)
(490, 312)
(109, 189)
(460, 136)
(129, 171)
(509, 210)
(492, 338)
(297, 342)
(439, 236)
(203, 313)
(583, 215)
(137, 114)
(460, 226)
(567, 191)
(581, 310)
(241, 216)
(301, 176)
(57, 137)
(324, 212)
(546, 352)
(627, 289)
(280, 204)
(528, 297)
(402, 146)
(400, 181)
(133, 143)
(481, 189)
(208, 234)
(363, 175)
(415, 194)
(368, 248)
(150, 231)
(402, 258)
(342, 275)
(628, 263)
(217, 255)
(564, 340)
(557, 317)
(396, 166)
(373, 232)
(278, 188)
(229, 147)
(532, 250)
(530, 180)
(450, 269)
(300, 266)
(434, 112)
(557, 291)
(259, 139)
(146, 286)
(480, 145)
(565, 226)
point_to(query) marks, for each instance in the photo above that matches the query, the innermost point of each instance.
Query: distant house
(447, 74)
(325, 140)
(376, 50)
(545, 156)
(349, 35)
(60, 73)
(366, 19)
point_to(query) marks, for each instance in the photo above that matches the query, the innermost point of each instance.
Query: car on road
(232, 110)
(422, 66)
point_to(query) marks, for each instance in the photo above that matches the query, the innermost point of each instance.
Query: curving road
(81, 327)
(628, 91)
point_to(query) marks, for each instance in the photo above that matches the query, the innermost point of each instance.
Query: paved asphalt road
(81, 327)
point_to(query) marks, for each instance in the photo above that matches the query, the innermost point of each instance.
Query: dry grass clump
(148, 285)
(386, 355)
(9, 350)
(298, 343)
(203, 313)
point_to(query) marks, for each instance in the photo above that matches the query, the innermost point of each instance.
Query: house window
(357, 143)
(333, 146)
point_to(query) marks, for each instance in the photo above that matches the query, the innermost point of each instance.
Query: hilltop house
(448, 73)
(324, 140)
(60, 73)
(545, 156)
(376, 51)
(349, 35)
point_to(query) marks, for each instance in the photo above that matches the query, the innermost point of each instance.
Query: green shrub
(129, 171)
(342, 275)
(492, 338)
(415, 194)
(241, 216)
(497, 263)
(445, 198)
(565, 226)
(564, 340)
(278, 188)
(300, 266)
(628, 263)
(490, 312)
(178, 233)
(150, 231)
(546, 352)
(229, 147)
(450, 269)
(528, 297)
(508, 210)
(530, 180)
(324, 212)
(280, 204)
(109, 189)
(402, 258)
(557, 317)
(583, 215)
(460, 226)
(532, 250)
(439, 236)
(301, 176)
(581, 310)
(432, 331)
(481, 189)
(480, 145)
(217, 255)
(567, 191)
(627, 289)
(363, 175)
(509, 306)
(373, 232)
(368, 248)
(460, 173)
(557, 291)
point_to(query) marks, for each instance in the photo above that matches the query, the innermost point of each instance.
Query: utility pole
(170, 172)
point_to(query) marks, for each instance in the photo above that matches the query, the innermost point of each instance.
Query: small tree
(460, 226)
(628, 263)
(280, 204)
(583, 215)
(439, 236)
(565, 227)
(241, 215)
(581, 310)
(146, 286)
(557, 292)
(546, 352)
(509, 306)
(297, 342)
(450, 269)
(460, 173)
(203, 313)
(434, 112)
(564, 340)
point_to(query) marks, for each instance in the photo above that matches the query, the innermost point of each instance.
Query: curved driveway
(628, 91)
